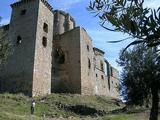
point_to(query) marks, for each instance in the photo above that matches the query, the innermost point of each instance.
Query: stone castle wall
(101, 83)
(43, 51)
(52, 55)
(86, 54)
(17, 75)
(63, 22)
(66, 74)
(81, 70)
(114, 83)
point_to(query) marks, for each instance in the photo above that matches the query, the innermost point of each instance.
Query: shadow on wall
(59, 76)
(14, 86)
(61, 87)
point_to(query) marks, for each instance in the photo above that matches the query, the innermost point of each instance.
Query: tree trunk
(155, 102)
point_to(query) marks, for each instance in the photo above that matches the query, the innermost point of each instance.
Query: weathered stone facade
(52, 55)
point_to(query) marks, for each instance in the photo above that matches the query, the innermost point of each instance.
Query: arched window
(59, 56)
(45, 27)
(44, 42)
(61, 59)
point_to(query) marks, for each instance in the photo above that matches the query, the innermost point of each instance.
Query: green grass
(17, 107)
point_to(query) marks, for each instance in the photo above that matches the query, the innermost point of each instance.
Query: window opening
(89, 63)
(88, 48)
(19, 40)
(23, 12)
(62, 59)
(44, 42)
(111, 71)
(96, 75)
(102, 68)
(45, 27)
(102, 77)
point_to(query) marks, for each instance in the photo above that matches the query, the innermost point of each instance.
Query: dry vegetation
(62, 106)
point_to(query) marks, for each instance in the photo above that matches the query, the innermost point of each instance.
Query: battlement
(65, 14)
(63, 22)
(27, 1)
(16, 4)
(98, 50)
(48, 5)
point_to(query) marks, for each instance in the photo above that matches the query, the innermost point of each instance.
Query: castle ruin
(51, 54)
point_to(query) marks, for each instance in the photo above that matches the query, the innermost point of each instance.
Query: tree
(5, 46)
(141, 72)
(129, 16)
(140, 23)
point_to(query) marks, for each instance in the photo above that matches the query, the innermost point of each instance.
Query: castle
(51, 54)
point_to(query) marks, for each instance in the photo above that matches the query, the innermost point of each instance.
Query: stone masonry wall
(17, 75)
(63, 22)
(66, 76)
(50, 54)
(114, 83)
(101, 83)
(87, 68)
(43, 50)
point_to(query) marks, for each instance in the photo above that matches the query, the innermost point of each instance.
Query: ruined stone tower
(51, 54)
(63, 22)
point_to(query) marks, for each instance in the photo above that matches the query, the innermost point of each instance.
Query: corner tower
(63, 22)
(31, 33)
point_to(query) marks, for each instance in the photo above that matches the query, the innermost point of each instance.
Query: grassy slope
(17, 107)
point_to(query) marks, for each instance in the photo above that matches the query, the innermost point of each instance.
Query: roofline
(26, 1)
(97, 49)
(64, 13)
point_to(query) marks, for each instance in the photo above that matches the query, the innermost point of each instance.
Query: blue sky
(77, 9)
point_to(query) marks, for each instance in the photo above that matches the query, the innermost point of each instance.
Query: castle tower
(31, 32)
(63, 22)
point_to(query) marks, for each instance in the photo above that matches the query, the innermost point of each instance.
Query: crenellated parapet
(64, 13)
(63, 22)
(48, 5)
(97, 51)
(21, 2)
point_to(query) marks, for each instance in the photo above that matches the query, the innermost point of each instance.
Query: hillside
(62, 106)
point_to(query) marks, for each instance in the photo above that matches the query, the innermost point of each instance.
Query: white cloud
(4, 21)
(64, 4)
(152, 3)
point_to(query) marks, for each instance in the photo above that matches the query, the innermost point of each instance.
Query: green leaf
(117, 41)
(112, 20)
